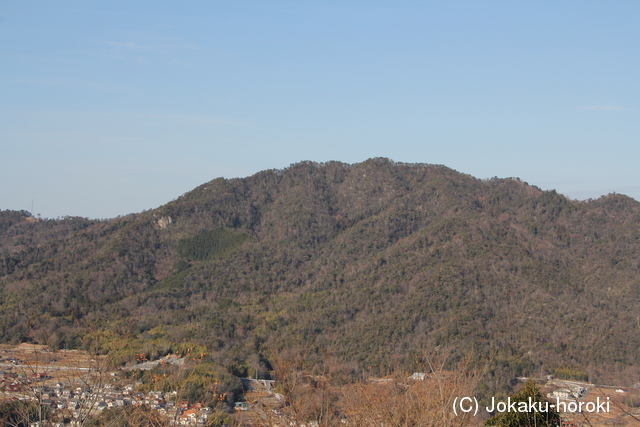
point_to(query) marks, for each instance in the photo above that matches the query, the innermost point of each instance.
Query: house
(563, 393)
(418, 376)
(241, 406)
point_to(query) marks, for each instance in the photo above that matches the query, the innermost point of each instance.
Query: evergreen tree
(536, 418)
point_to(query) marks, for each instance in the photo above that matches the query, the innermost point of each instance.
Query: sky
(114, 107)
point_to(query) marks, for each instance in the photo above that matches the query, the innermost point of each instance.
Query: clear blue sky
(111, 107)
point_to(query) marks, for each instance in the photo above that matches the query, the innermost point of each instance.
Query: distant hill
(377, 261)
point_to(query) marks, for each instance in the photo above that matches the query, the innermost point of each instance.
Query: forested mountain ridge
(378, 261)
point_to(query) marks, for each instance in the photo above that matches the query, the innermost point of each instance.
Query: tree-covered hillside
(377, 261)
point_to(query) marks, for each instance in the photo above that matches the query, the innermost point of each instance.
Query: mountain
(376, 262)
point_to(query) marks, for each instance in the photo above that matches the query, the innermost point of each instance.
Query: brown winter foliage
(382, 260)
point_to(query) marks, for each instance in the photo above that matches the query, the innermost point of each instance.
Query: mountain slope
(378, 261)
